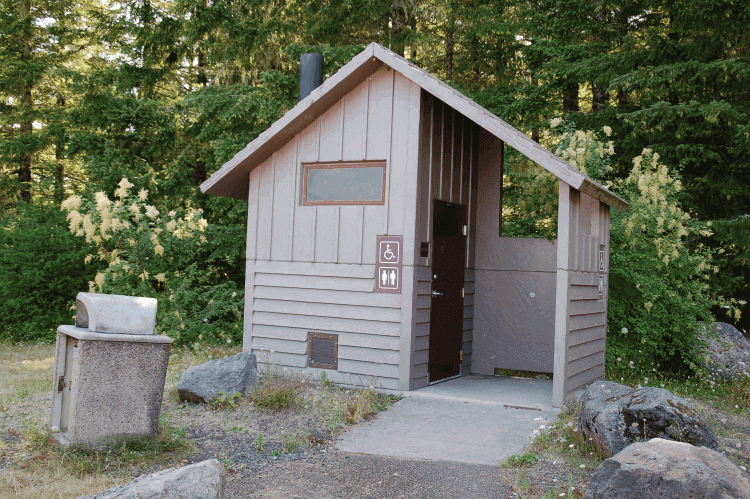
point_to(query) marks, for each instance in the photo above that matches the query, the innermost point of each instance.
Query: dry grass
(25, 371)
(32, 466)
(57, 482)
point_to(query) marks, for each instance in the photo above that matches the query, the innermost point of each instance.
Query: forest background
(161, 93)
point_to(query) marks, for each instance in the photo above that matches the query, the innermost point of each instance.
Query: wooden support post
(502, 173)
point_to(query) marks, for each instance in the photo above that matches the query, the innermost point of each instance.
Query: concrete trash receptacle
(110, 370)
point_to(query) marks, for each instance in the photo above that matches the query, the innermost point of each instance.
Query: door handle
(435, 293)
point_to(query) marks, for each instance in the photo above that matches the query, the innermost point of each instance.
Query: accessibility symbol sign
(388, 266)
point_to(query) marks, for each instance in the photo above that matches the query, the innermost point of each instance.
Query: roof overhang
(232, 179)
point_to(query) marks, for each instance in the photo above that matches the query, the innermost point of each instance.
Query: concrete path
(473, 419)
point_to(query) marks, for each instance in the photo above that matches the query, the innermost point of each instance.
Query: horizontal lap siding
(321, 298)
(466, 347)
(421, 344)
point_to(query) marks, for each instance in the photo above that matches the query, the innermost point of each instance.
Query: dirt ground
(322, 472)
(295, 455)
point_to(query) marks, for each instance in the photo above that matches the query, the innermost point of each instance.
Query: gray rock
(204, 480)
(727, 353)
(668, 470)
(202, 383)
(614, 416)
(600, 415)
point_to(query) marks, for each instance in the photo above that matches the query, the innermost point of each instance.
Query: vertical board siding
(447, 156)
(331, 133)
(265, 209)
(350, 234)
(448, 169)
(283, 202)
(398, 182)
(379, 111)
(252, 215)
(304, 216)
(457, 157)
(355, 123)
(425, 151)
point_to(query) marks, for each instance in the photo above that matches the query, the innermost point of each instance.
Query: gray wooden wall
(447, 171)
(581, 314)
(311, 268)
(512, 328)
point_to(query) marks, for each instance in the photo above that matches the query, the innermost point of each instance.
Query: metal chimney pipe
(310, 73)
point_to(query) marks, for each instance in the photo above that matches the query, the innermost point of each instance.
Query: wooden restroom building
(373, 246)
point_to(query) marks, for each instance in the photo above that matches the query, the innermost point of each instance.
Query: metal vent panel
(323, 350)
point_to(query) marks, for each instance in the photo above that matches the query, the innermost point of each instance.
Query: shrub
(148, 254)
(41, 270)
(659, 270)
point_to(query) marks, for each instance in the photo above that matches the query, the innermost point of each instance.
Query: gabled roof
(232, 179)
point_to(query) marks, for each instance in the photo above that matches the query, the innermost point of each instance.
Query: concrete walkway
(472, 419)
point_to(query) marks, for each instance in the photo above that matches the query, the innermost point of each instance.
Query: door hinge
(463, 290)
(465, 230)
(61, 383)
(461, 354)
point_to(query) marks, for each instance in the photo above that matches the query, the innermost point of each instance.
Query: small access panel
(446, 310)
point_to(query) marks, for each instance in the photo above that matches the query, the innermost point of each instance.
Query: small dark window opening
(323, 350)
(424, 251)
(344, 183)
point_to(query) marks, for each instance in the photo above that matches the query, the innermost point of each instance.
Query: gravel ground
(342, 475)
(319, 471)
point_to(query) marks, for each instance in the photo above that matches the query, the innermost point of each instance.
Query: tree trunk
(200, 172)
(24, 169)
(202, 78)
(60, 157)
(449, 53)
(570, 98)
(600, 97)
(398, 23)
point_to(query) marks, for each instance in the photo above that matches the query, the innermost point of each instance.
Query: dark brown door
(446, 311)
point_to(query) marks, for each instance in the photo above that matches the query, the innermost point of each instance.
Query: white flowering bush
(659, 270)
(139, 251)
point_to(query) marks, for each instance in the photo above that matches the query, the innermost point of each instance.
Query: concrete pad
(474, 419)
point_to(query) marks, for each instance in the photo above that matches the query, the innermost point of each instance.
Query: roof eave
(232, 179)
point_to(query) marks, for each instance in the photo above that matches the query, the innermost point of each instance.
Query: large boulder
(202, 383)
(204, 480)
(727, 352)
(668, 470)
(614, 416)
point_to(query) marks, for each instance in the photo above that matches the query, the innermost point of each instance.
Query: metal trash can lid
(117, 314)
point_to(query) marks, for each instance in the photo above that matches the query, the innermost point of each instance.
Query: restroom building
(375, 249)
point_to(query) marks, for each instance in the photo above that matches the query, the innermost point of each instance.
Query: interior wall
(515, 283)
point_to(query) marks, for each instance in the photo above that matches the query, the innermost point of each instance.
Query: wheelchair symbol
(388, 254)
